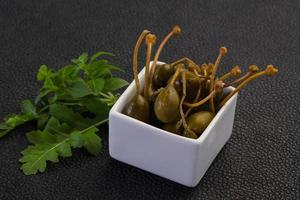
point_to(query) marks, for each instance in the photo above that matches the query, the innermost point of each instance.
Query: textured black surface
(260, 161)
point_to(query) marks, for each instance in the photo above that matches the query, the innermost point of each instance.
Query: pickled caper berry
(166, 105)
(138, 108)
(162, 75)
(198, 121)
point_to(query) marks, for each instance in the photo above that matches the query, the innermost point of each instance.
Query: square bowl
(168, 155)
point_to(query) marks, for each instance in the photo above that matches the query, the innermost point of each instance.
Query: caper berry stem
(187, 131)
(222, 52)
(195, 100)
(135, 60)
(197, 74)
(269, 71)
(176, 74)
(175, 31)
(183, 78)
(235, 71)
(210, 68)
(184, 59)
(199, 103)
(203, 68)
(252, 70)
(219, 87)
(247, 75)
(207, 70)
(155, 93)
(150, 41)
(186, 114)
(225, 76)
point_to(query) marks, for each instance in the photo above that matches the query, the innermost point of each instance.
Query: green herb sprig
(70, 105)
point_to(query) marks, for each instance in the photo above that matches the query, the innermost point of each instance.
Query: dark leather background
(260, 161)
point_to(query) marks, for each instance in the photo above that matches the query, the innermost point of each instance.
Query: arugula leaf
(80, 89)
(98, 54)
(54, 126)
(96, 85)
(109, 98)
(88, 139)
(67, 115)
(41, 137)
(113, 84)
(96, 106)
(81, 60)
(92, 142)
(99, 68)
(43, 73)
(48, 147)
(48, 84)
(43, 92)
(12, 121)
(69, 72)
(42, 120)
(28, 108)
(67, 96)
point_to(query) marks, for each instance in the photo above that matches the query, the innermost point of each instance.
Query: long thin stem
(208, 68)
(94, 125)
(187, 132)
(219, 87)
(183, 78)
(179, 124)
(175, 31)
(270, 70)
(196, 72)
(181, 60)
(252, 70)
(235, 71)
(195, 101)
(225, 76)
(203, 68)
(135, 60)
(247, 75)
(222, 52)
(150, 40)
(177, 73)
(199, 103)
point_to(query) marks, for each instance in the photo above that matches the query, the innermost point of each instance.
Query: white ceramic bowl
(171, 156)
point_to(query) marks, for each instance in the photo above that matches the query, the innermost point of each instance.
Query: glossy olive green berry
(198, 121)
(162, 75)
(177, 85)
(166, 106)
(138, 108)
(192, 85)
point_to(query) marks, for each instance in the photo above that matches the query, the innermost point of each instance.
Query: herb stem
(94, 125)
